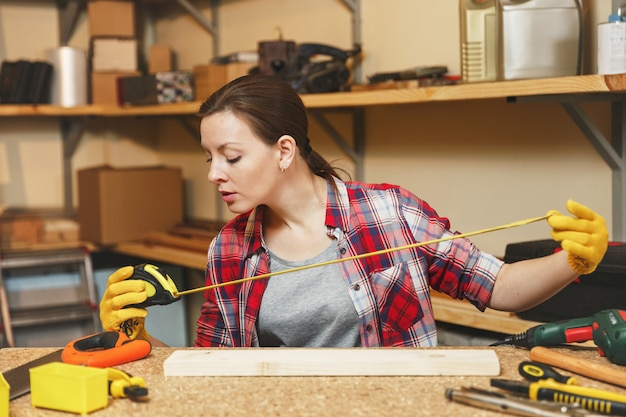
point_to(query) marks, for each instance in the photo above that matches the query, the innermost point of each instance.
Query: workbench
(292, 395)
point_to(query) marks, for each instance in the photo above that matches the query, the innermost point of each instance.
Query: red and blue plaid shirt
(390, 292)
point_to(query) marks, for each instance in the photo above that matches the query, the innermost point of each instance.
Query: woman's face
(244, 168)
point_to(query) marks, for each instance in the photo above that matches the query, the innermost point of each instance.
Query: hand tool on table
(105, 349)
(124, 385)
(18, 378)
(601, 372)
(99, 350)
(495, 401)
(535, 371)
(597, 400)
(603, 328)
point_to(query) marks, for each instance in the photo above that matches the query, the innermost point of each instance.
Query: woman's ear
(288, 149)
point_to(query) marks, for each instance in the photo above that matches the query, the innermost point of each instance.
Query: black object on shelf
(25, 82)
(409, 74)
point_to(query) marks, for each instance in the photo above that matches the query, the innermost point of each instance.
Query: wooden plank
(331, 362)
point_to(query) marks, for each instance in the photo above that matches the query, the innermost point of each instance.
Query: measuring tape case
(605, 288)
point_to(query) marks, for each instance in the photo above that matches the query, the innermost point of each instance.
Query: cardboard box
(114, 54)
(122, 204)
(104, 87)
(111, 18)
(21, 232)
(159, 59)
(208, 78)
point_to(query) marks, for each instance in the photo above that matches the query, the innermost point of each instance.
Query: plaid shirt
(390, 292)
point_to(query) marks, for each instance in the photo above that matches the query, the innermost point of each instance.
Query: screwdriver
(597, 400)
(535, 371)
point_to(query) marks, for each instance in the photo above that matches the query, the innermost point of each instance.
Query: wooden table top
(291, 395)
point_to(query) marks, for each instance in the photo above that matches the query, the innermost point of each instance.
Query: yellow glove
(584, 237)
(119, 293)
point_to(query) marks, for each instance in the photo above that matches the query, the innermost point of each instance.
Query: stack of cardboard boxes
(114, 60)
(116, 76)
(113, 50)
(21, 229)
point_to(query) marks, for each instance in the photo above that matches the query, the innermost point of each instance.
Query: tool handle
(587, 402)
(600, 372)
(593, 399)
(535, 371)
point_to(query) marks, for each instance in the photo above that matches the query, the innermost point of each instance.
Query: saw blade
(19, 378)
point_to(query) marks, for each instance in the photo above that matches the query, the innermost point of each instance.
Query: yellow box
(66, 387)
(4, 397)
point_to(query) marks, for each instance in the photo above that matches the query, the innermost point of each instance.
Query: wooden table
(289, 396)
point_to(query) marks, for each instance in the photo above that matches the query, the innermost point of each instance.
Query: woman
(294, 210)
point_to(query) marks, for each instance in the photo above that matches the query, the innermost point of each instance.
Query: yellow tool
(123, 385)
(591, 399)
(160, 287)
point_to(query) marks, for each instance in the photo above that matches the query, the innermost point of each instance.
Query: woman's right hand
(119, 293)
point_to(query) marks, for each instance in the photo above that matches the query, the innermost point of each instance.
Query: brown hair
(273, 109)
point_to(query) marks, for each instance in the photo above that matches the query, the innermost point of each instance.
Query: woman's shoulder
(388, 194)
(361, 188)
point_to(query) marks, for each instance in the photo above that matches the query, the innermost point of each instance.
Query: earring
(282, 168)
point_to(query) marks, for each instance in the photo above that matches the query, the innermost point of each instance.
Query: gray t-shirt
(308, 308)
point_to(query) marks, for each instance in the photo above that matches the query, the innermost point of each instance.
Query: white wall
(481, 163)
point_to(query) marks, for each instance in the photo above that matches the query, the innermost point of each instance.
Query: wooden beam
(331, 362)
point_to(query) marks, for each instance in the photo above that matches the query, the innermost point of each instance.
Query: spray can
(612, 44)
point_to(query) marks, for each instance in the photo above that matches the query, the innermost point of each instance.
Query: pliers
(503, 403)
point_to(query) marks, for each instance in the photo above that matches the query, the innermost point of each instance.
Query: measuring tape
(364, 255)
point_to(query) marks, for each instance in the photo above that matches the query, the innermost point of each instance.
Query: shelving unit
(72, 124)
(569, 91)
